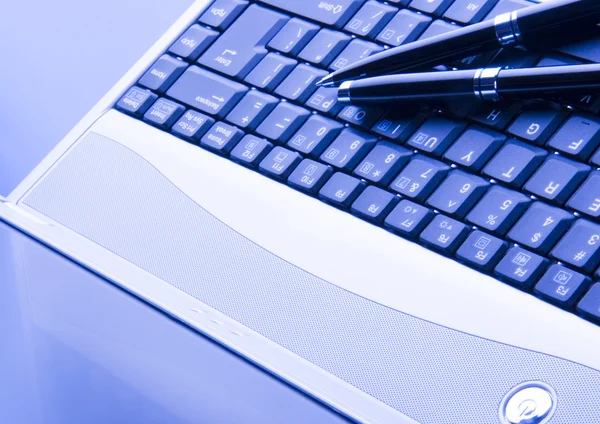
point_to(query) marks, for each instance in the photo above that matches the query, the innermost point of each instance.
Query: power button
(528, 403)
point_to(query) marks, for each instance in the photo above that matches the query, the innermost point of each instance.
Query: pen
(535, 27)
(488, 84)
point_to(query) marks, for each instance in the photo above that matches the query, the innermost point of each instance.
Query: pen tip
(326, 82)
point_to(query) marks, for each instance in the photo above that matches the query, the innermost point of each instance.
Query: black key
(315, 135)
(541, 227)
(223, 12)
(334, 14)
(562, 286)
(557, 179)
(242, 45)
(279, 163)
(282, 122)
(587, 49)
(136, 101)
(325, 100)
(481, 250)
(251, 150)
(192, 125)
(521, 268)
(515, 163)
(514, 58)
(580, 247)
(208, 92)
(433, 7)
(496, 115)
(163, 73)
(587, 199)
(469, 11)
(270, 71)
(193, 42)
(420, 177)
(293, 36)
(408, 218)
(324, 47)
(436, 134)
(348, 149)
(370, 19)
(341, 190)
(578, 137)
(458, 193)
(163, 113)
(589, 307)
(363, 117)
(405, 27)
(355, 51)
(310, 176)
(444, 234)
(252, 109)
(474, 148)
(498, 210)
(383, 163)
(221, 138)
(374, 204)
(300, 83)
(398, 124)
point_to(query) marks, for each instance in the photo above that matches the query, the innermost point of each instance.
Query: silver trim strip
(486, 83)
(344, 92)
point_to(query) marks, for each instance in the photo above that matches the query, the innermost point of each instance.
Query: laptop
(399, 265)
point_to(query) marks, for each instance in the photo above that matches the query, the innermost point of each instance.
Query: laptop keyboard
(512, 190)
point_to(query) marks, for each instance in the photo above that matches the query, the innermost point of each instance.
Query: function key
(370, 19)
(251, 150)
(383, 163)
(469, 11)
(458, 193)
(589, 307)
(293, 36)
(223, 12)
(515, 163)
(270, 71)
(341, 189)
(348, 149)
(355, 51)
(521, 268)
(481, 250)
(420, 177)
(433, 7)
(192, 125)
(562, 286)
(374, 204)
(436, 134)
(578, 137)
(557, 179)
(221, 138)
(163, 113)
(537, 123)
(282, 122)
(300, 83)
(324, 47)
(474, 148)
(309, 176)
(580, 247)
(163, 73)
(444, 234)
(252, 109)
(587, 199)
(405, 27)
(193, 42)
(279, 163)
(315, 135)
(408, 218)
(136, 101)
(498, 210)
(398, 124)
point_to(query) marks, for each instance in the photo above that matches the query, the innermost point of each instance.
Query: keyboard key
(355, 51)
(279, 162)
(374, 204)
(341, 190)
(163, 73)
(193, 42)
(325, 100)
(315, 135)
(208, 92)
(506, 6)
(474, 148)
(521, 268)
(324, 47)
(537, 124)
(541, 227)
(192, 125)
(164, 113)
(399, 124)
(436, 134)
(557, 179)
(293, 36)
(223, 12)
(596, 159)
(300, 83)
(481, 250)
(348, 149)
(270, 71)
(496, 115)
(310, 176)
(383, 163)
(587, 199)
(432, 7)
(221, 138)
(405, 27)
(562, 286)
(498, 210)
(578, 137)
(458, 193)
(282, 122)
(587, 49)
(363, 117)
(469, 11)
(515, 163)
(252, 109)
(420, 177)
(251, 150)
(444, 234)
(408, 218)
(370, 19)
(437, 27)
(334, 14)
(589, 307)
(580, 247)
(239, 49)
(136, 101)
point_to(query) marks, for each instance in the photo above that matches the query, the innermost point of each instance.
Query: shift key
(206, 91)
(242, 45)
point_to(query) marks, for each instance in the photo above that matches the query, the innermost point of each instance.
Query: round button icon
(528, 403)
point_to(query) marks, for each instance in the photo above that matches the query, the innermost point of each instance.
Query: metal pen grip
(507, 29)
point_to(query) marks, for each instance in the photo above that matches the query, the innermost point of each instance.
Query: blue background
(75, 348)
